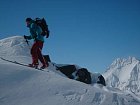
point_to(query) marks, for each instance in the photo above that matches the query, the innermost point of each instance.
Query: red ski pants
(36, 52)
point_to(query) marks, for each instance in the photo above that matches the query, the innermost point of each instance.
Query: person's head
(28, 21)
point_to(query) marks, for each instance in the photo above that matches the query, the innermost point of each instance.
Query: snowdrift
(14, 46)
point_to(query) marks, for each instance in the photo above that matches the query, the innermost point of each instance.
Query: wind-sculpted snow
(14, 46)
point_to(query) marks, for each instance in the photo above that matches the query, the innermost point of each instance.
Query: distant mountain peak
(121, 62)
(124, 74)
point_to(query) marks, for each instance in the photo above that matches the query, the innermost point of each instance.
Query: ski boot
(34, 65)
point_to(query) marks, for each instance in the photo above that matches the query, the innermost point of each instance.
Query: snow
(124, 74)
(9, 47)
(20, 85)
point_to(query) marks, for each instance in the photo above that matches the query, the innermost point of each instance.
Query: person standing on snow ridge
(36, 50)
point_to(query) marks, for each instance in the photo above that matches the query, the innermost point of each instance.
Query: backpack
(42, 23)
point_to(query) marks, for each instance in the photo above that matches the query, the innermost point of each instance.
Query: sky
(88, 33)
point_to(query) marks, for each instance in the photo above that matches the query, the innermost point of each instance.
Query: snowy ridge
(20, 85)
(124, 74)
(14, 46)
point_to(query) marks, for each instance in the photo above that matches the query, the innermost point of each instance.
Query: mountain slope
(124, 74)
(20, 85)
(27, 86)
(14, 46)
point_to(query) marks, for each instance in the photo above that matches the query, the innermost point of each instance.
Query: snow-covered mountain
(124, 74)
(20, 85)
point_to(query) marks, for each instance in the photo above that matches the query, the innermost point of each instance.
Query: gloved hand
(25, 37)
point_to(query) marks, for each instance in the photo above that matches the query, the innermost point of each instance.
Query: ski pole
(27, 42)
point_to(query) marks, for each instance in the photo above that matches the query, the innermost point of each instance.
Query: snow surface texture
(125, 75)
(20, 85)
(14, 46)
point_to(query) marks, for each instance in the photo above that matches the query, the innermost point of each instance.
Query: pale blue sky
(89, 33)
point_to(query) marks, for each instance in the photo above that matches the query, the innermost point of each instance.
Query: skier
(36, 50)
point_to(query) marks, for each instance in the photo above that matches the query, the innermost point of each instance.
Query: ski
(15, 62)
